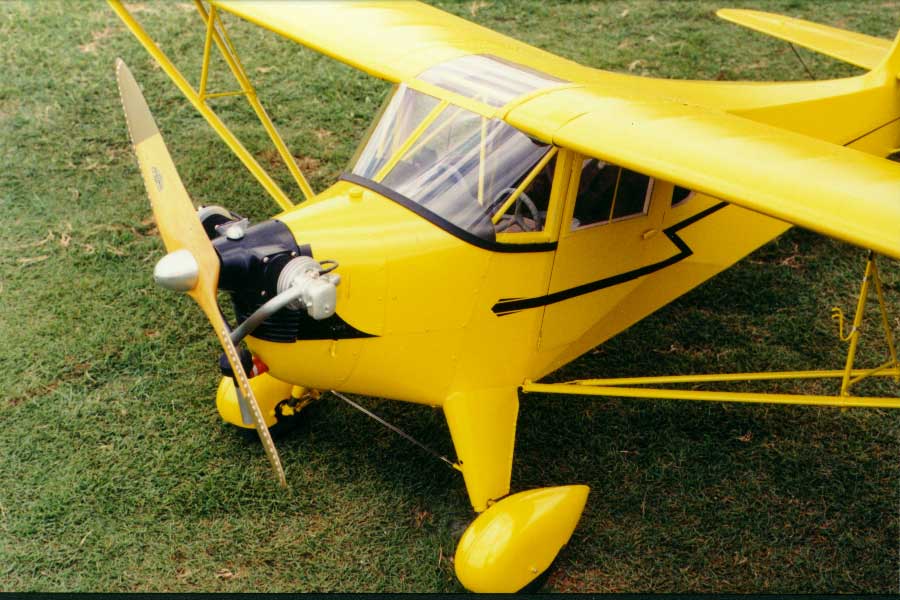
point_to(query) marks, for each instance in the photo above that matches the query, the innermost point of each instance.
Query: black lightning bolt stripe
(511, 305)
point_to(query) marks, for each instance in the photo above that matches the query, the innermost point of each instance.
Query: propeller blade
(181, 230)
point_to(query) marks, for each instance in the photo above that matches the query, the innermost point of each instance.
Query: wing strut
(639, 387)
(871, 277)
(215, 32)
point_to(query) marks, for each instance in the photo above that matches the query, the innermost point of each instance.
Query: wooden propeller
(192, 264)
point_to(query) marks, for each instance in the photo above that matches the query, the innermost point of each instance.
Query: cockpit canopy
(455, 163)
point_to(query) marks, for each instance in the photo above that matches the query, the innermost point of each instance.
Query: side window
(631, 197)
(607, 192)
(680, 194)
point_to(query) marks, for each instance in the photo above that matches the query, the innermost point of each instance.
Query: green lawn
(116, 473)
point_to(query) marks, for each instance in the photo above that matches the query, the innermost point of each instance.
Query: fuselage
(445, 311)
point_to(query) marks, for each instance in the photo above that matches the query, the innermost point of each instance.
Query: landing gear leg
(516, 538)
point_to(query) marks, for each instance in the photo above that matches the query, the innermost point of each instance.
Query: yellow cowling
(516, 539)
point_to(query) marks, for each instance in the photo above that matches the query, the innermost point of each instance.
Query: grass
(116, 473)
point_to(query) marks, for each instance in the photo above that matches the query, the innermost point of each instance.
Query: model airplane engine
(265, 270)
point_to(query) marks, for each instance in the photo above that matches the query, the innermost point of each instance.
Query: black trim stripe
(332, 328)
(443, 223)
(511, 305)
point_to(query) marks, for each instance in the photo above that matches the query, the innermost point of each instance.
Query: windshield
(453, 162)
(487, 78)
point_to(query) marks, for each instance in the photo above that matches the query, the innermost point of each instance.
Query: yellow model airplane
(507, 211)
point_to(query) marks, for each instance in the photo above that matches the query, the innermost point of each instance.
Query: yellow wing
(394, 40)
(837, 191)
(834, 190)
(855, 48)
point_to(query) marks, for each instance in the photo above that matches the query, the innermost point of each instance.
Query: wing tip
(724, 12)
(738, 15)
